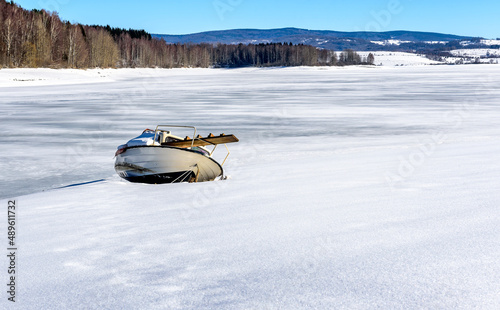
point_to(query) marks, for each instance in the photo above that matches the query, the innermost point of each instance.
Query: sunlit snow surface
(350, 188)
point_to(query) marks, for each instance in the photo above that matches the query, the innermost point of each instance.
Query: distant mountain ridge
(337, 40)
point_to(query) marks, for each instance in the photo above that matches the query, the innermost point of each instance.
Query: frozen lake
(350, 188)
(55, 135)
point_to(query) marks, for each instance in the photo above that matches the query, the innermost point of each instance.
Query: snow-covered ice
(350, 188)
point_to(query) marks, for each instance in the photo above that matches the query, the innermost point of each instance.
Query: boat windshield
(201, 150)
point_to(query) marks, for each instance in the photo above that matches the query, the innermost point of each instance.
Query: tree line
(37, 38)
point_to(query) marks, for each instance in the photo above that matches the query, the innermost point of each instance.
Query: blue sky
(471, 18)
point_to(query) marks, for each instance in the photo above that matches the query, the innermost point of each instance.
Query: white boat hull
(164, 164)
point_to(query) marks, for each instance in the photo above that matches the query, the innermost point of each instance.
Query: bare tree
(55, 30)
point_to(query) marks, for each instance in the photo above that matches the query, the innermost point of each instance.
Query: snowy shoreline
(11, 77)
(26, 77)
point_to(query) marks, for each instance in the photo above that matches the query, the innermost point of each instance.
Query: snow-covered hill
(350, 188)
(336, 40)
(391, 59)
(478, 52)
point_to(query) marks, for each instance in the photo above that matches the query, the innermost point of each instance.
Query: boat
(157, 156)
